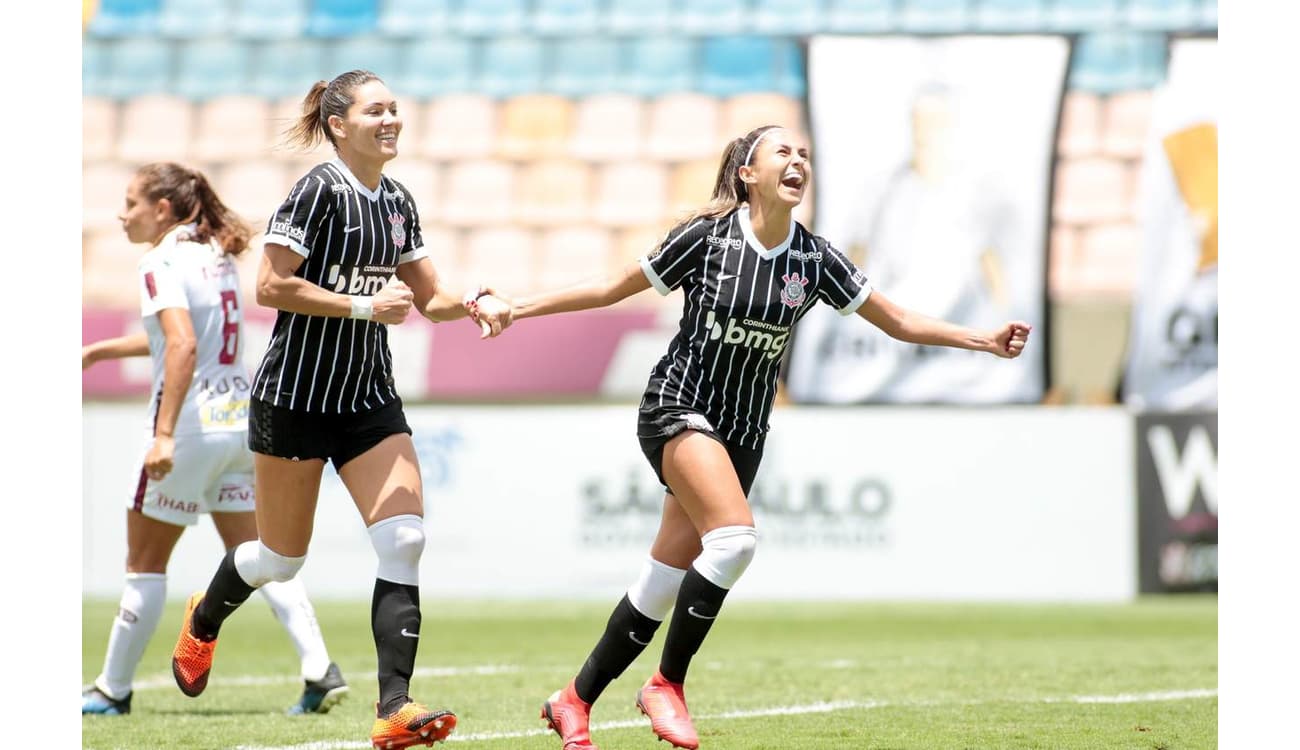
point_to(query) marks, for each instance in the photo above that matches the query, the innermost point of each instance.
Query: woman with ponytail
(196, 457)
(749, 272)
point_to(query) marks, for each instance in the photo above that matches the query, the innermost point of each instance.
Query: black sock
(627, 634)
(698, 603)
(225, 593)
(395, 621)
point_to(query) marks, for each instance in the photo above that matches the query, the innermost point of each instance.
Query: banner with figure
(933, 169)
(1173, 358)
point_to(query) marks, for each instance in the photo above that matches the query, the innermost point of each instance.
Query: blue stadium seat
(738, 65)
(1161, 14)
(269, 19)
(639, 16)
(120, 18)
(1083, 15)
(567, 17)
(788, 16)
(413, 18)
(1209, 16)
(188, 19)
(491, 17)
(373, 53)
(287, 68)
(207, 68)
(713, 17)
(96, 72)
(790, 73)
(583, 65)
(1010, 15)
(1108, 62)
(510, 66)
(140, 66)
(660, 64)
(849, 16)
(437, 66)
(341, 18)
(931, 16)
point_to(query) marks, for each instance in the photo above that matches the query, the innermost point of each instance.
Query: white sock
(288, 600)
(655, 590)
(138, 614)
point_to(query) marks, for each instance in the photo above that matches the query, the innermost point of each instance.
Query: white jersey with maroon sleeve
(198, 278)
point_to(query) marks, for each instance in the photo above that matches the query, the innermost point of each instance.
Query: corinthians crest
(792, 294)
(399, 234)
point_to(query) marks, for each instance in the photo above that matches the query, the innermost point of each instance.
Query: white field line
(810, 708)
(166, 681)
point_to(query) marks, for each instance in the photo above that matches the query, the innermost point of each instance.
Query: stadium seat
(1083, 15)
(419, 19)
(490, 17)
(568, 255)
(713, 17)
(103, 190)
(583, 65)
(1166, 15)
(553, 192)
(207, 68)
(788, 16)
(287, 68)
(1062, 257)
(436, 67)
(139, 67)
(254, 189)
(479, 192)
(631, 193)
(1208, 18)
(534, 126)
(743, 113)
(935, 16)
(565, 17)
(1010, 15)
(690, 186)
(109, 277)
(608, 127)
(639, 16)
(1113, 61)
(1092, 190)
(459, 126)
(860, 16)
(96, 67)
(421, 178)
(685, 126)
(1109, 258)
(98, 128)
(125, 18)
(502, 257)
(341, 18)
(444, 246)
(269, 19)
(510, 66)
(660, 65)
(1126, 118)
(190, 19)
(232, 128)
(738, 65)
(1080, 129)
(157, 127)
(791, 75)
(373, 53)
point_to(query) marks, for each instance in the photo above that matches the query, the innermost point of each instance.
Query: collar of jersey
(748, 230)
(355, 183)
(170, 237)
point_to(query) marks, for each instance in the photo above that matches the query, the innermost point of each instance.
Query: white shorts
(211, 473)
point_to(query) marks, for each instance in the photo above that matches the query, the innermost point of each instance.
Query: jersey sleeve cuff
(853, 306)
(289, 242)
(649, 270)
(413, 254)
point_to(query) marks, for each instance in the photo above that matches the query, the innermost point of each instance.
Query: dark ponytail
(193, 200)
(325, 99)
(729, 191)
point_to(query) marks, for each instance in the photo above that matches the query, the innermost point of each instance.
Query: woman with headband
(749, 272)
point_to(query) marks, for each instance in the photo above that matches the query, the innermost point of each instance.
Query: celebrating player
(196, 458)
(749, 273)
(325, 391)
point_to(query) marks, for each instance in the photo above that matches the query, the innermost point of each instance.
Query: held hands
(1011, 339)
(158, 461)
(392, 303)
(491, 311)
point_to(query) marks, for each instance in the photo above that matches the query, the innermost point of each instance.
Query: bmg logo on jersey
(367, 280)
(767, 338)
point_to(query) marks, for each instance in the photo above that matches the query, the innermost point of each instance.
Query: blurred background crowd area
(549, 140)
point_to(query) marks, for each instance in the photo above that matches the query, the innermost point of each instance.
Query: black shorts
(654, 430)
(285, 433)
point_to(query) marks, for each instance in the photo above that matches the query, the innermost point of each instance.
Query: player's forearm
(915, 328)
(178, 373)
(444, 306)
(135, 345)
(579, 297)
(301, 296)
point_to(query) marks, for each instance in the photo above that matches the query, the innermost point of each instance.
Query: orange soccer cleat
(569, 716)
(192, 658)
(665, 704)
(412, 724)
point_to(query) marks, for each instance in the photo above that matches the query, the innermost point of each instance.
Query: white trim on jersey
(747, 229)
(650, 274)
(354, 182)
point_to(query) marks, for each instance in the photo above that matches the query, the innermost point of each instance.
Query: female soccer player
(325, 391)
(196, 458)
(749, 273)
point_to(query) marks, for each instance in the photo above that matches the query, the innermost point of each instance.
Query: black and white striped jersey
(741, 302)
(353, 239)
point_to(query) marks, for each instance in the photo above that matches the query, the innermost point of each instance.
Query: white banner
(1173, 360)
(933, 173)
(558, 502)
